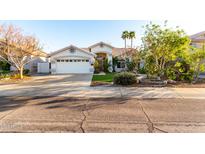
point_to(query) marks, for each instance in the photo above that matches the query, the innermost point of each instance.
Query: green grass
(104, 78)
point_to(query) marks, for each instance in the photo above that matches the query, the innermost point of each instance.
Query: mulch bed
(99, 83)
(13, 80)
(186, 85)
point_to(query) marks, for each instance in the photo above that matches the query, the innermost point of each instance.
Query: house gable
(198, 38)
(101, 47)
(71, 51)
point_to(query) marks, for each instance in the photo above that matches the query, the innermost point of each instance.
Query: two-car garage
(73, 66)
(71, 60)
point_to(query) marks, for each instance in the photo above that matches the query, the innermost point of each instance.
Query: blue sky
(56, 34)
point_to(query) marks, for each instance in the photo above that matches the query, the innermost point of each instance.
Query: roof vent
(101, 44)
(72, 50)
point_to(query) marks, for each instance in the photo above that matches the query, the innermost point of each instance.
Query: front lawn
(103, 78)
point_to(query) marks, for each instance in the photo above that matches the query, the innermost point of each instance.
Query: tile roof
(198, 37)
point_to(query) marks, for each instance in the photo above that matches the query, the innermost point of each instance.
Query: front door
(101, 59)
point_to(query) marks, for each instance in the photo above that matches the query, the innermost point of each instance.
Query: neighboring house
(36, 57)
(72, 59)
(40, 57)
(198, 40)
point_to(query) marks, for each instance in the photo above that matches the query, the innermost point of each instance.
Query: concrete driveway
(43, 85)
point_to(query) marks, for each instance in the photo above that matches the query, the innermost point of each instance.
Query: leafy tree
(162, 45)
(125, 36)
(132, 64)
(16, 48)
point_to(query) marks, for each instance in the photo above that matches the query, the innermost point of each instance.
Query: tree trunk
(131, 43)
(125, 44)
(21, 73)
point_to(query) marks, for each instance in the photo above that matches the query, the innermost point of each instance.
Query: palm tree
(125, 36)
(131, 36)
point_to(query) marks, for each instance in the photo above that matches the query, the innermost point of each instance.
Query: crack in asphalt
(82, 122)
(84, 117)
(160, 129)
(150, 124)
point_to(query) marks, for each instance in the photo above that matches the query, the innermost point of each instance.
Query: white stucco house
(72, 59)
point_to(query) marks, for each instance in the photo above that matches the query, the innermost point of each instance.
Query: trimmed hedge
(125, 78)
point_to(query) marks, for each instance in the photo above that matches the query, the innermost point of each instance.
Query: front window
(121, 64)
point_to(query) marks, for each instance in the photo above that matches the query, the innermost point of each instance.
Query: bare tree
(16, 48)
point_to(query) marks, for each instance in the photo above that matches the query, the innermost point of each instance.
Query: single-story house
(73, 59)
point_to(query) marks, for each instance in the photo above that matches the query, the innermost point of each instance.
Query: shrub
(131, 66)
(4, 65)
(4, 75)
(142, 70)
(26, 71)
(106, 66)
(96, 67)
(124, 78)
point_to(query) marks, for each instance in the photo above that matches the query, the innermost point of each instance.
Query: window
(87, 60)
(121, 64)
(83, 60)
(62, 60)
(67, 60)
(71, 60)
(79, 60)
(58, 60)
(74, 60)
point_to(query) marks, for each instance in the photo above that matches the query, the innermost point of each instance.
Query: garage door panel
(73, 67)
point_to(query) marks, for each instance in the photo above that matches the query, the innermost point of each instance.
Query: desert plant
(125, 36)
(131, 37)
(106, 66)
(124, 78)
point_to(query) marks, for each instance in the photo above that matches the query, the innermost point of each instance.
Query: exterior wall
(43, 68)
(197, 45)
(120, 69)
(104, 49)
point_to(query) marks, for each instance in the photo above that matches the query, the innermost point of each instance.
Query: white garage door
(73, 66)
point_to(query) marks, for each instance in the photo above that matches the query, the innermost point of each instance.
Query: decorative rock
(171, 81)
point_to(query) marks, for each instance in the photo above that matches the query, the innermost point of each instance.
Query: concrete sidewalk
(101, 91)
